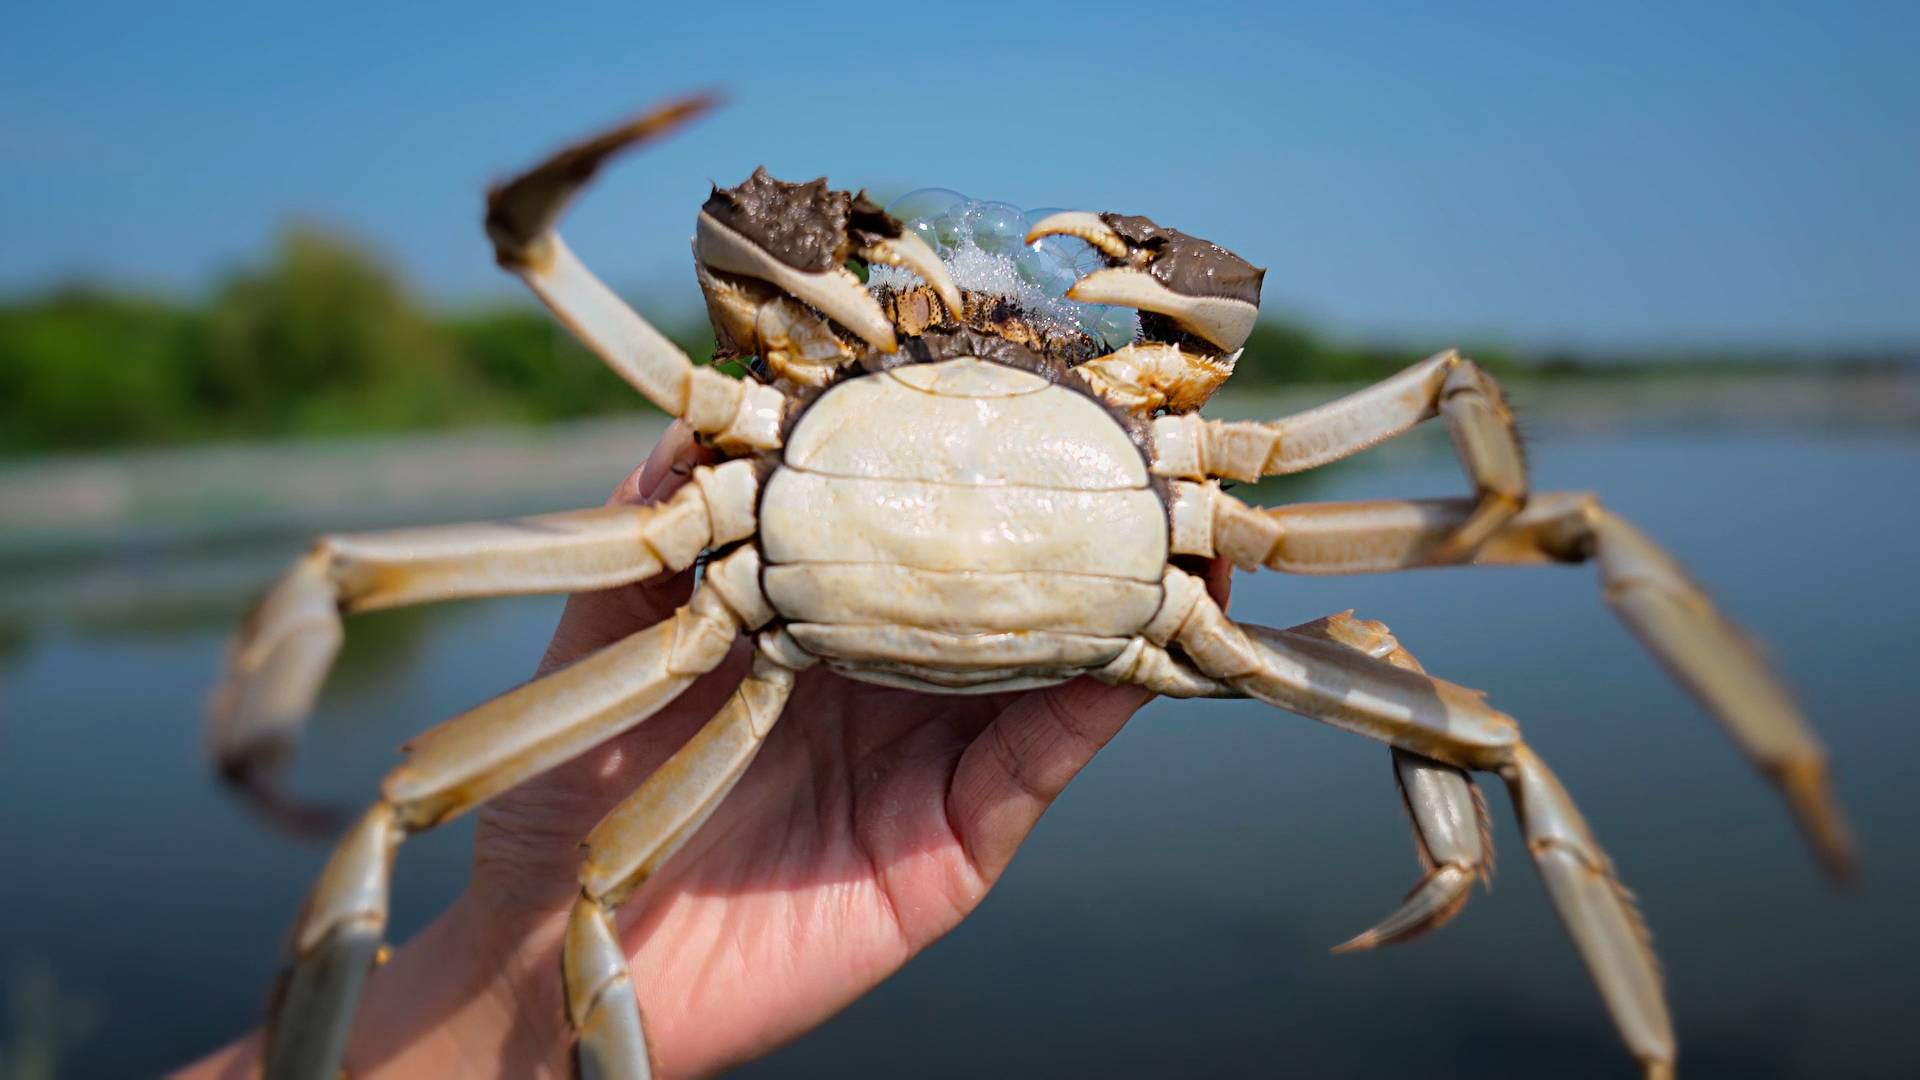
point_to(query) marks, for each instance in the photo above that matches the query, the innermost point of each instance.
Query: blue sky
(1623, 174)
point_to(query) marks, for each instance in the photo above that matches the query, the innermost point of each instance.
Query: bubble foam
(983, 245)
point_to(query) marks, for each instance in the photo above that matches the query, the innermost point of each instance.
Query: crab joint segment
(521, 215)
(1346, 688)
(1446, 385)
(1671, 615)
(632, 842)
(1205, 289)
(1450, 824)
(452, 768)
(283, 650)
(1143, 663)
(1149, 377)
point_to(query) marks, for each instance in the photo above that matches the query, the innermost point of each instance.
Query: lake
(1172, 914)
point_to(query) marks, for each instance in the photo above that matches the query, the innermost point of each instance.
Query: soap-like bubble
(1063, 250)
(1051, 276)
(925, 204)
(983, 245)
(1116, 326)
(919, 210)
(998, 227)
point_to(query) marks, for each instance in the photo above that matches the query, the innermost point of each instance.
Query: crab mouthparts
(983, 246)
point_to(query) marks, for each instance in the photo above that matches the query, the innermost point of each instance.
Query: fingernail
(664, 459)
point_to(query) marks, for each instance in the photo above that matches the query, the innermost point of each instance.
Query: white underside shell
(934, 649)
(960, 600)
(805, 517)
(962, 526)
(951, 426)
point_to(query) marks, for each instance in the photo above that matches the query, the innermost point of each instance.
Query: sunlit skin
(872, 823)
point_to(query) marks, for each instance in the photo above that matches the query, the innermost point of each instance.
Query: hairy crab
(953, 489)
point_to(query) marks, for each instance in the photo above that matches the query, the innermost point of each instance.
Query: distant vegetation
(325, 339)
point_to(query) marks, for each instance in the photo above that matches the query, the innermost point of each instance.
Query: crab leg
(1449, 817)
(737, 415)
(1446, 385)
(636, 839)
(461, 764)
(1342, 686)
(1450, 825)
(1670, 614)
(288, 642)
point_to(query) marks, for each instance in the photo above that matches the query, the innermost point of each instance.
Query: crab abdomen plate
(962, 526)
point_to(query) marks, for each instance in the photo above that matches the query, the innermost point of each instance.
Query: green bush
(324, 338)
(321, 339)
(83, 369)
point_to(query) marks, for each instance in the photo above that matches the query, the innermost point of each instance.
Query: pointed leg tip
(1810, 796)
(1842, 866)
(1433, 903)
(1364, 942)
(664, 118)
(259, 789)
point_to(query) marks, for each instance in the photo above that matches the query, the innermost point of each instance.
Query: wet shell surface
(965, 525)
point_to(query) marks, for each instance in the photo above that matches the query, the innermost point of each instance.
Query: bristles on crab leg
(1455, 841)
(1450, 825)
(1673, 617)
(1597, 910)
(1345, 688)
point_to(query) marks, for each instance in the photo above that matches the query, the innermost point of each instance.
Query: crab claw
(908, 252)
(1205, 289)
(798, 238)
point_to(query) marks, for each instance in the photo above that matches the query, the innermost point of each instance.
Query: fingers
(593, 620)
(1021, 762)
(1219, 580)
(667, 468)
(1025, 758)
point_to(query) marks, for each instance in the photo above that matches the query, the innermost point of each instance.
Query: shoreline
(76, 509)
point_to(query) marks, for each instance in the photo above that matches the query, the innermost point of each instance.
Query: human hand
(872, 822)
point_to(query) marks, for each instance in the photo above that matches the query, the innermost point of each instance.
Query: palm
(872, 822)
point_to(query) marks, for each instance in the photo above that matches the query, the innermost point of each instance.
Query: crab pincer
(799, 238)
(1199, 303)
(1206, 290)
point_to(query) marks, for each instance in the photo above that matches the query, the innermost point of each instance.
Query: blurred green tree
(324, 339)
(82, 368)
(532, 363)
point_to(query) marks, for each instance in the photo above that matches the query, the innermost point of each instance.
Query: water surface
(1172, 914)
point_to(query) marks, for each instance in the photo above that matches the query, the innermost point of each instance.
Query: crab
(929, 487)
